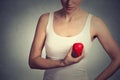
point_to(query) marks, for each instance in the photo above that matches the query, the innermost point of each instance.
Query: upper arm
(39, 37)
(105, 38)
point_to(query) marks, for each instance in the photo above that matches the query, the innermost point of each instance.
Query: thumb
(70, 51)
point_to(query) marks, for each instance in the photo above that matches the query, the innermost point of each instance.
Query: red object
(77, 49)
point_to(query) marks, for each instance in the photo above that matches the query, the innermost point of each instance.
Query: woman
(58, 31)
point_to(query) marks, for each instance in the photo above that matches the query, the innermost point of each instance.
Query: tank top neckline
(65, 37)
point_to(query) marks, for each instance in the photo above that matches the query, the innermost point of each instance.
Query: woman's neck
(71, 15)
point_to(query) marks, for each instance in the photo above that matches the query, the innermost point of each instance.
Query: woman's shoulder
(94, 19)
(97, 21)
(97, 25)
(44, 16)
(42, 21)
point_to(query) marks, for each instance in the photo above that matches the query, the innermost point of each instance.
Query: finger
(77, 59)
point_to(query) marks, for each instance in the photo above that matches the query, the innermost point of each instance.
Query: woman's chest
(67, 29)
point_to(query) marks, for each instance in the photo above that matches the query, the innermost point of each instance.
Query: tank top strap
(88, 23)
(50, 21)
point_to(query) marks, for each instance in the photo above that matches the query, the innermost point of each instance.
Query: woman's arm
(110, 46)
(35, 59)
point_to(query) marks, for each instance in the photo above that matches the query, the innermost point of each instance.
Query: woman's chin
(69, 10)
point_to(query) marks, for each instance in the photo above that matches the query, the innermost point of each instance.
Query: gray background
(18, 19)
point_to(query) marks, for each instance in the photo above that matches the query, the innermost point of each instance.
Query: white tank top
(57, 48)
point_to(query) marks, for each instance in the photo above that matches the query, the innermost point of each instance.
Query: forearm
(112, 68)
(42, 63)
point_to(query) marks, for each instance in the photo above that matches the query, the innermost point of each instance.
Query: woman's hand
(68, 60)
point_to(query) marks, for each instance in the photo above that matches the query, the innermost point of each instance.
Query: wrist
(62, 63)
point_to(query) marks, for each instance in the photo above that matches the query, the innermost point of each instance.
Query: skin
(66, 23)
